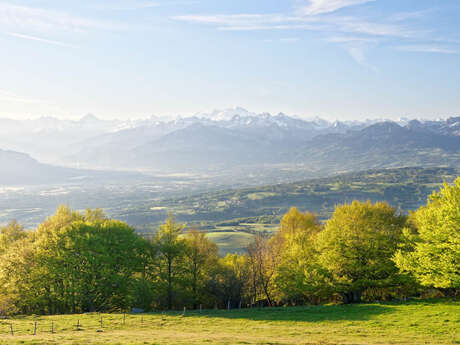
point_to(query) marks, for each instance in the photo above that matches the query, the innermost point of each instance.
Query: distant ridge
(233, 138)
(20, 169)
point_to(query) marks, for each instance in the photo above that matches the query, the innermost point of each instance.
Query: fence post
(201, 308)
(228, 305)
(124, 318)
(163, 316)
(183, 314)
(102, 323)
(239, 306)
(35, 328)
(78, 325)
(52, 327)
(11, 329)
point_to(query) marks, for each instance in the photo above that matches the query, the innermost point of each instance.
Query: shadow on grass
(359, 312)
(352, 312)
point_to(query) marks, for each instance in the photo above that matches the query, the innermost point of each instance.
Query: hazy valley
(217, 167)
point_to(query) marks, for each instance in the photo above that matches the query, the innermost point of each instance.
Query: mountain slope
(18, 168)
(382, 145)
(206, 146)
(235, 138)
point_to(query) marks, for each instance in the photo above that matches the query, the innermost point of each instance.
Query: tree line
(83, 261)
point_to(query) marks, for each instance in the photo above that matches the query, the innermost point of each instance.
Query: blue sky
(338, 59)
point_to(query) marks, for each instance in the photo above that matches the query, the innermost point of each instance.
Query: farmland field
(415, 322)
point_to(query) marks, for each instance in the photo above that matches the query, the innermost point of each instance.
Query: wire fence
(97, 322)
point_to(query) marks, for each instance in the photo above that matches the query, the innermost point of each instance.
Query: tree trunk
(169, 284)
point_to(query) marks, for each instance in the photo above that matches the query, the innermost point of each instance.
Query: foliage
(432, 253)
(201, 259)
(357, 246)
(300, 279)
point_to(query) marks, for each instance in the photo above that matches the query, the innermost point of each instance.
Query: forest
(78, 262)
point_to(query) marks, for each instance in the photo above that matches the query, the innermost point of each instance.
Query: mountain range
(229, 139)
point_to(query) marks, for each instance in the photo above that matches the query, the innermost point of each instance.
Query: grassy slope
(416, 322)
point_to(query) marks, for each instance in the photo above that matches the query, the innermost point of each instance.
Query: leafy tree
(201, 258)
(357, 246)
(86, 264)
(171, 250)
(20, 278)
(10, 234)
(299, 276)
(432, 252)
(229, 280)
(263, 256)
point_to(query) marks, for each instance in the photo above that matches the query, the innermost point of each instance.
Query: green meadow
(414, 322)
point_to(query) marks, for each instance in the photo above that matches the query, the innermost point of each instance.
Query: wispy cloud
(357, 53)
(427, 48)
(329, 23)
(39, 39)
(403, 16)
(7, 96)
(355, 33)
(315, 7)
(30, 19)
(242, 19)
(285, 40)
(126, 5)
(356, 47)
(133, 5)
(350, 39)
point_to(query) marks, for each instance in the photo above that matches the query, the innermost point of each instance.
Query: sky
(336, 59)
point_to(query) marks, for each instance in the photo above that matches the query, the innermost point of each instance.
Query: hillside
(383, 145)
(404, 188)
(19, 169)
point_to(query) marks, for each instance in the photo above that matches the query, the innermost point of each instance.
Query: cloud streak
(39, 39)
(426, 48)
(329, 23)
(316, 7)
(356, 34)
(7, 96)
(22, 18)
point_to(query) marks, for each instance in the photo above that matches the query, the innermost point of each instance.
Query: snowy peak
(226, 115)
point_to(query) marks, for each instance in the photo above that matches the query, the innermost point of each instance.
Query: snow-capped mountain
(232, 136)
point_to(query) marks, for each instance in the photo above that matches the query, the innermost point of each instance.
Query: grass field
(231, 242)
(417, 322)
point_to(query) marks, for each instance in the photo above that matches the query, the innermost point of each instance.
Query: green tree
(86, 263)
(264, 256)
(299, 277)
(432, 253)
(10, 234)
(357, 246)
(201, 258)
(20, 278)
(229, 280)
(171, 250)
